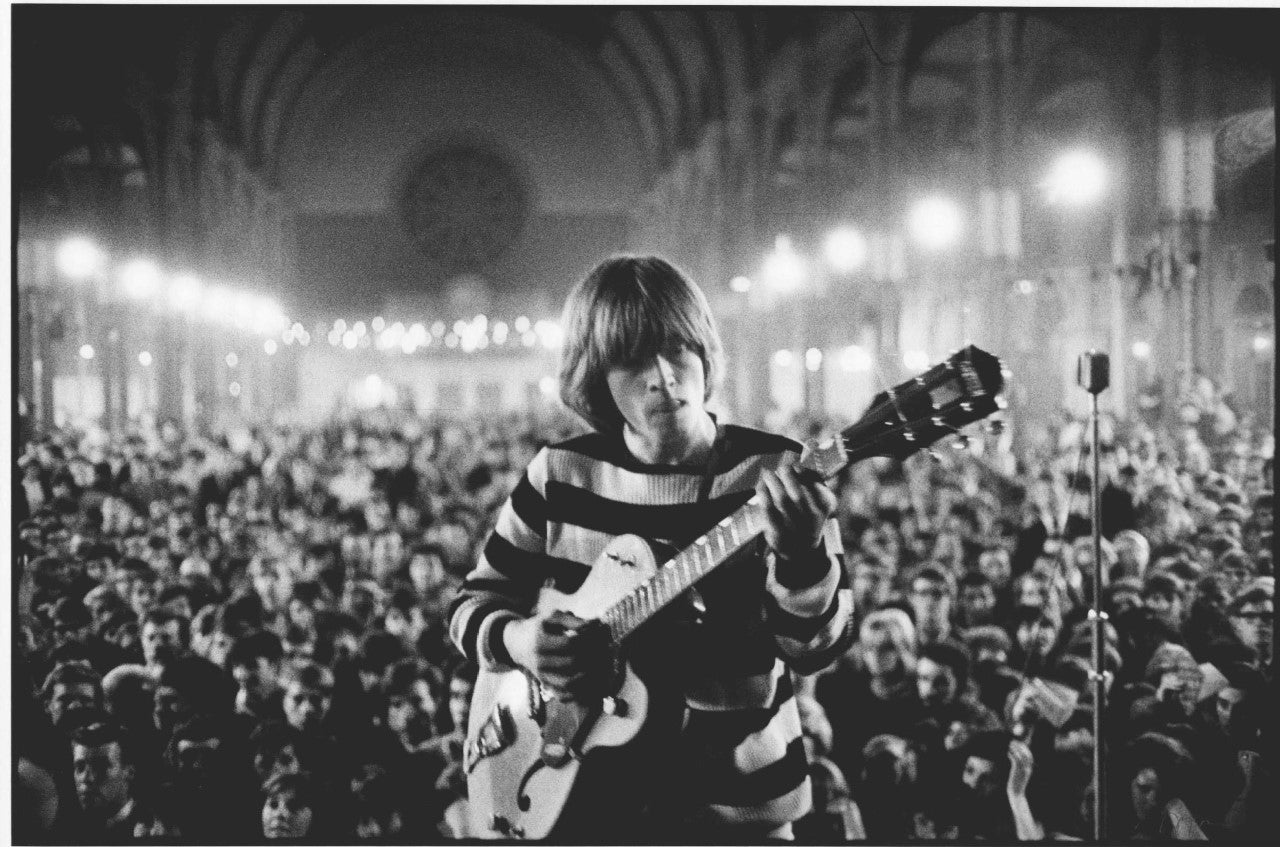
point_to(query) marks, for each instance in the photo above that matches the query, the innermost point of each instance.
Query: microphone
(1093, 371)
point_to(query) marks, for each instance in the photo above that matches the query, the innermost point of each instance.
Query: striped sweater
(724, 651)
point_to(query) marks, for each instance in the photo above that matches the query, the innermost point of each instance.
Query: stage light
(783, 269)
(86, 351)
(1261, 343)
(547, 385)
(846, 249)
(269, 346)
(528, 339)
(813, 359)
(144, 359)
(740, 284)
(500, 332)
(350, 339)
(935, 223)
(522, 324)
(451, 340)
(783, 358)
(79, 258)
(551, 334)
(234, 389)
(915, 360)
(185, 292)
(1076, 178)
(378, 324)
(855, 358)
(1141, 349)
(140, 279)
(1025, 287)
(359, 329)
(232, 360)
(437, 329)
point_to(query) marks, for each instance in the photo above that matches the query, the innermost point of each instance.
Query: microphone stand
(1094, 376)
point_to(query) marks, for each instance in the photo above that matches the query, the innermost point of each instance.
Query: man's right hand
(568, 654)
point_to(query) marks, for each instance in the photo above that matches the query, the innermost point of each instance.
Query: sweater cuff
(803, 572)
(489, 645)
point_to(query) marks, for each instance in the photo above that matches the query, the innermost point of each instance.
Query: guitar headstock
(915, 414)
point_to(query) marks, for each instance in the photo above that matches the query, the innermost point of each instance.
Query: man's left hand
(796, 511)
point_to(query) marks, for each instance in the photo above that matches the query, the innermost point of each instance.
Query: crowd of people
(238, 637)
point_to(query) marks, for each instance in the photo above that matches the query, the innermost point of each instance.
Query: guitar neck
(687, 567)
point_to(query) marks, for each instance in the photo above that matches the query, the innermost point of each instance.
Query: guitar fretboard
(687, 567)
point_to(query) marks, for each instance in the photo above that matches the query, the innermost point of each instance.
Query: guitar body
(535, 744)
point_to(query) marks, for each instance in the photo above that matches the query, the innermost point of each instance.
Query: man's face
(411, 712)
(870, 585)
(257, 681)
(1164, 608)
(980, 776)
(994, 565)
(220, 648)
(881, 654)
(661, 395)
(460, 692)
(1144, 792)
(305, 708)
(159, 640)
(284, 761)
(1254, 623)
(931, 604)
(1037, 637)
(978, 603)
(935, 683)
(68, 697)
(284, 816)
(141, 595)
(1226, 702)
(426, 570)
(171, 708)
(102, 779)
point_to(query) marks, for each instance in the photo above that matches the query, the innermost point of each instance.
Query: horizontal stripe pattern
(743, 726)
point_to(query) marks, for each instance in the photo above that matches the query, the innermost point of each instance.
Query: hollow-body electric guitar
(524, 746)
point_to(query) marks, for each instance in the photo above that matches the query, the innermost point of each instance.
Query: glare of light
(915, 360)
(846, 249)
(437, 329)
(359, 329)
(373, 383)
(547, 385)
(451, 340)
(244, 308)
(500, 332)
(409, 344)
(1025, 287)
(335, 337)
(267, 316)
(86, 351)
(287, 336)
(935, 223)
(813, 359)
(232, 360)
(783, 358)
(1141, 349)
(551, 334)
(350, 339)
(418, 331)
(144, 359)
(184, 292)
(1261, 343)
(481, 322)
(217, 303)
(234, 388)
(855, 358)
(140, 278)
(269, 346)
(298, 329)
(468, 342)
(79, 258)
(1076, 178)
(305, 340)
(528, 339)
(378, 324)
(740, 284)
(339, 326)
(459, 327)
(783, 268)
(482, 341)
(523, 324)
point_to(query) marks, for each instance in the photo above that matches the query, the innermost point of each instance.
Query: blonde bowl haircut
(626, 308)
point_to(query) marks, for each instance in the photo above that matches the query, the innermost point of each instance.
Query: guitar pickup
(495, 735)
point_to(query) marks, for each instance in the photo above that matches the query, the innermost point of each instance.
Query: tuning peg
(995, 426)
(1001, 402)
(908, 435)
(934, 455)
(961, 442)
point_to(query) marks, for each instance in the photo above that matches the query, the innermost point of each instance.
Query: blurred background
(256, 213)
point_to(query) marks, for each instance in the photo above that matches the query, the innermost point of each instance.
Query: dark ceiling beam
(634, 70)
(244, 62)
(297, 38)
(660, 27)
(713, 101)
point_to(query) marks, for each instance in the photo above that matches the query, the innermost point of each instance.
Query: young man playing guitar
(720, 756)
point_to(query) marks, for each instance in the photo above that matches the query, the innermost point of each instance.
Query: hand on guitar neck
(797, 504)
(569, 655)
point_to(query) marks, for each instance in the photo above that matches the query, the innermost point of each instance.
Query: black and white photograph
(640, 423)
